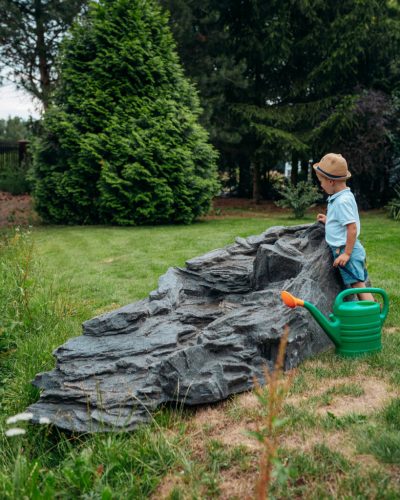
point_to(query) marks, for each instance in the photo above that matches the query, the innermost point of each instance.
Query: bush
(13, 179)
(122, 143)
(275, 181)
(299, 197)
(394, 205)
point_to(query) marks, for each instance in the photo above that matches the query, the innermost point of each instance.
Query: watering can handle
(351, 291)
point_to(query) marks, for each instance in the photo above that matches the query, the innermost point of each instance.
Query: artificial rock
(207, 332)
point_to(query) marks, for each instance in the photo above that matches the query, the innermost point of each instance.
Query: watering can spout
(331, 328)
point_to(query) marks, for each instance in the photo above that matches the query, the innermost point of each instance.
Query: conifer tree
(122, 143)
(204, 44)
(303, 65)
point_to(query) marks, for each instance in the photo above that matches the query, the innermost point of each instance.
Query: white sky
(15, 102)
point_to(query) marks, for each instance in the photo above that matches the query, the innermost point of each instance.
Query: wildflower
(20, 417)
(15, 431)
(44, 420)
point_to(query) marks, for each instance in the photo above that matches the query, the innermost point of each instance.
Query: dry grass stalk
(272, 398)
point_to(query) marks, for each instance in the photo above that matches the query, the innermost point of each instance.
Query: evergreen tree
(204, 45)
(122, 143)
(360, 130)
(304, 66)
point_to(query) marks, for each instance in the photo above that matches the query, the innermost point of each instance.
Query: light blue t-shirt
(342, 210)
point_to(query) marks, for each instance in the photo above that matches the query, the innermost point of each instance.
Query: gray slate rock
(207, 332)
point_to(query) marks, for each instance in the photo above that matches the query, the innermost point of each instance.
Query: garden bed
(16, 210)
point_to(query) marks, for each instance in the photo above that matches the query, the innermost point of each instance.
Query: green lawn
(106, 266)
(57, 277)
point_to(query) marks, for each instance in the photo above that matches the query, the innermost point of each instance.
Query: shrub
(275, 180)
(298, 197)
(122, 143)
(393, 206)
(14, 179)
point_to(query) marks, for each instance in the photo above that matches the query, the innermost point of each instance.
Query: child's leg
(363, 296)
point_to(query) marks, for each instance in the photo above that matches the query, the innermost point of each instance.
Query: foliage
(13, 129)
(14, 177)
(122, 144)
(299, 197)
(393, 206)
(391, 414)
(359, 128)
(13, 172)
(205, 47)
(30, 36)
(394, 137)
(275, 180)
(298, 73)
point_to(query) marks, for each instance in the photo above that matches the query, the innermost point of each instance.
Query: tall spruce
(122, 144)
(205, 48)
(305, 66)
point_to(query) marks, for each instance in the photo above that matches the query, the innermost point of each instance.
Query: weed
(271, 397)
(383, 439)
(391, 414)
(353, 389)
(327, 397)
(329, 365)
(333, 422)
(385, 445)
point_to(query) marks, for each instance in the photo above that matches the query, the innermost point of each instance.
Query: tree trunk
(255, 168)
(294, 172)
(41, 51)
(245, 186)
(304, 170)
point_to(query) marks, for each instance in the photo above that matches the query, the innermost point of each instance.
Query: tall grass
(34, 320)
(45, 462)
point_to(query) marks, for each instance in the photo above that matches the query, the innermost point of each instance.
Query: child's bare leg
(363, 296)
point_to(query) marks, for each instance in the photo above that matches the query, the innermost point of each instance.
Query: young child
(342, 222)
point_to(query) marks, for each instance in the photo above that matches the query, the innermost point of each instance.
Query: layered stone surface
(207, 332)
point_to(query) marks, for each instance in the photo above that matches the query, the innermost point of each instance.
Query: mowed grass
(109, 266)
(57, 277)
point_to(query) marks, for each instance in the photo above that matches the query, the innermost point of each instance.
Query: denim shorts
(355, 270)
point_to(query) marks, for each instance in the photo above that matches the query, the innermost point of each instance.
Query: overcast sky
(15, 102)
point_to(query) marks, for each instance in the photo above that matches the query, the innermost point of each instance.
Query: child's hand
(321, 218)
(342, 260)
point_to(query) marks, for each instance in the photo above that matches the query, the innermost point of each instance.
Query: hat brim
(320, 172)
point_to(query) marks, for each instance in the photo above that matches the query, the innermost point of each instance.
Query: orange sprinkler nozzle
(290, 300)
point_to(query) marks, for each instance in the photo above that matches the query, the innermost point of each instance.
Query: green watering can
(354, 327)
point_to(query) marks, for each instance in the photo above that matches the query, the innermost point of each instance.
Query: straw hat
(332, 166)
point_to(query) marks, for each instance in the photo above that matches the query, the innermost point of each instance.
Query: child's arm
(321, 218)
(350, 242)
